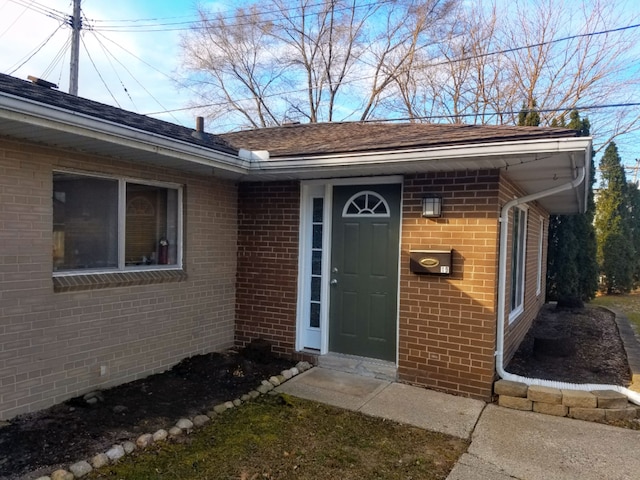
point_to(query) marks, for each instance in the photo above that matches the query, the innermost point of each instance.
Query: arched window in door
(366, 203)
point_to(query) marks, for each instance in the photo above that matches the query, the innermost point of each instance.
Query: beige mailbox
(434, 262)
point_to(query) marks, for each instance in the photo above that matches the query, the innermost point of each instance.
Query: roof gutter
(512, 149)
(34, 113)
(502, 295)
(258, 163)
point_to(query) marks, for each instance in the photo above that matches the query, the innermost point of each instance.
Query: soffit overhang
(534, 165)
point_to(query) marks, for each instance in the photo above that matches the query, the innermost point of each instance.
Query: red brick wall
(52, 345)
(268, 224)
(447, 323)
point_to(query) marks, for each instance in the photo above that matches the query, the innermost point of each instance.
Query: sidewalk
(505, 444)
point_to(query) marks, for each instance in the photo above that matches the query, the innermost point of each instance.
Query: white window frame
(307, 336)
(122, 207)
(540, 247)
(518, 262)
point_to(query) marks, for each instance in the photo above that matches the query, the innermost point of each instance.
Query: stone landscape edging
(631, 343)
(183, 426)
(594, 406)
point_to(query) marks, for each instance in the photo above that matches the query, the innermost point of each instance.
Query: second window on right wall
(540, 257)
(518, 258)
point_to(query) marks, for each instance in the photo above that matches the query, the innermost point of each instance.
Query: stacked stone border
(593, 406)
(184, 426)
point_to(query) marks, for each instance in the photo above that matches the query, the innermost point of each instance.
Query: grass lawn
(628, 304)
(282, 437)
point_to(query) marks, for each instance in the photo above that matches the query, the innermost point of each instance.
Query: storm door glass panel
(151, 225)
(85, 222)
(316, 262)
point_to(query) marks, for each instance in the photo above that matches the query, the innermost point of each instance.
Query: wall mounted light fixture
(432, 206)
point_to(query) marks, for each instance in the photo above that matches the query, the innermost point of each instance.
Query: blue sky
(141, 69)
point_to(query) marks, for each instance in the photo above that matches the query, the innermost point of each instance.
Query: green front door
(364, 270)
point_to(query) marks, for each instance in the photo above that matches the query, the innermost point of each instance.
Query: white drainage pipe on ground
(633, 397)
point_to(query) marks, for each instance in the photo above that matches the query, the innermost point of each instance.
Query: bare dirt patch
(596, 353)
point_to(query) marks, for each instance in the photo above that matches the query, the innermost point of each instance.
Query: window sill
(94, 281)
(514, 315)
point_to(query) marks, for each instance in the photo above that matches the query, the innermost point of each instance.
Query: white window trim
(307, 193)
(324, 188)
(122, 193)
(540, 247)
(516, 312)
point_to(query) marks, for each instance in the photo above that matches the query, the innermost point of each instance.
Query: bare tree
(307, 60)
(591, 68)
(458, 81)
(556, 54)
(426, 60)
(245, 88)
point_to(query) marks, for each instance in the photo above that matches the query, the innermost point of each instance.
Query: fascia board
(55, 118)
(436, 154)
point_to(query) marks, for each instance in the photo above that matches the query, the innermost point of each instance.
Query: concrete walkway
(505, 444)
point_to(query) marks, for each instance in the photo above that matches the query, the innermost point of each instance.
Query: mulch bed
(74, 430)
(595, 353)
(36, 444)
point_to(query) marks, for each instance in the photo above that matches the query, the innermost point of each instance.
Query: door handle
(334, 282)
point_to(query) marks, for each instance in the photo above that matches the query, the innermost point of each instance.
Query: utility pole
(76, 26)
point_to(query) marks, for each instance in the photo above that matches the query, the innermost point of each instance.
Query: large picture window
(518, 257)
(102, 223)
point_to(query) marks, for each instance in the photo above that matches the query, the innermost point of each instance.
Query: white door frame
(318, 339)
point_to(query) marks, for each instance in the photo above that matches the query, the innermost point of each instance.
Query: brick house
(129, 243)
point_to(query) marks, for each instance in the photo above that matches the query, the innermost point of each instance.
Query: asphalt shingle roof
(328, 138)
(56, 98)
(295, 139)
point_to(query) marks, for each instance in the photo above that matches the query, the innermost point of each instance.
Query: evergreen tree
(572, 269)
(586, 261)
(633, 202)
(613, 225)
(529, 117)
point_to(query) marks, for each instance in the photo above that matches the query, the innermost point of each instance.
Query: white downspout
(502, 276)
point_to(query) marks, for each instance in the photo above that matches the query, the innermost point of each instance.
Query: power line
(443, 116)
(14, 22)
(194, 25)
(108, 56)
(156, 19)
(50, 12)
(34, 51)
(436, 64)
(516, 112)
(42, 9)
(109, 53)
(98, 72)
(173, 79)
(59, 57)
